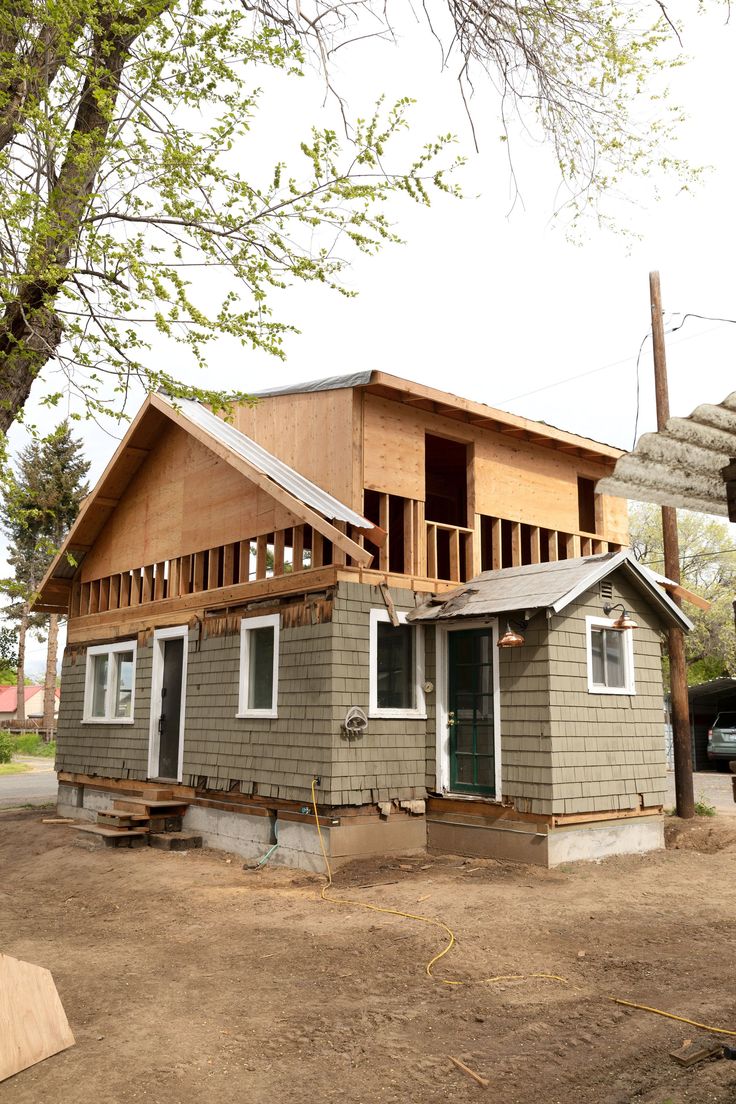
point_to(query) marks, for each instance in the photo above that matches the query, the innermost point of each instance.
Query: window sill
(397, 715)
(108, 720)
(628, 691)
(257, 714)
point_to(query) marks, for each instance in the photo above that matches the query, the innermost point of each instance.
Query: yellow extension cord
(435, 923)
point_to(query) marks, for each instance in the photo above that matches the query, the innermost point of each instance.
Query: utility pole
(684, 797)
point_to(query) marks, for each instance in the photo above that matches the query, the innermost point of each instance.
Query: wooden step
(143, 804)
(114, 819)
(100, 830)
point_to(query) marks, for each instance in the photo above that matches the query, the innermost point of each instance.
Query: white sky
(499, 307)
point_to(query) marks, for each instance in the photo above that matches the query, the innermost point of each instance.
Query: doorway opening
(168, 698)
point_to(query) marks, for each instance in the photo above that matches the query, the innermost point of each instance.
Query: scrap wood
(369, 885)
(389, 603)
(482, 1081)
(58, 820)
(690, 1053)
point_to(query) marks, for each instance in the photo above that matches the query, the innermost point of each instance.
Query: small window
(397, 667)
(109, 689)
(610, 658)
(259, 666)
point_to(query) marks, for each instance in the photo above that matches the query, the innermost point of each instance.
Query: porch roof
(549, 586)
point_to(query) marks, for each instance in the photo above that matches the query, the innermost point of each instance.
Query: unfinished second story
(457, 486)
(368, 475)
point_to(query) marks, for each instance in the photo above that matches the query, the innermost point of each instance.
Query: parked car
(722, 739)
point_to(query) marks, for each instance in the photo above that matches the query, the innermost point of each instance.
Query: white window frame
(419, 711)
(271, 620)
(110, 689)
(629, 686)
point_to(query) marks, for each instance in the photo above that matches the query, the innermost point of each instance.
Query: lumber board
(33, 1024)
(101, 830)
(135, 804)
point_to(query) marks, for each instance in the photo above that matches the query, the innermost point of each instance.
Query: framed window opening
(610, 657)
(259, 666)
(396, 683)
(109, 683)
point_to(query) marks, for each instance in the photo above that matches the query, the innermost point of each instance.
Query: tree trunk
(49, 694)
(21, 683)
(29, 336)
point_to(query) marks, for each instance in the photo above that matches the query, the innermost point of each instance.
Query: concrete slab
(599, 840)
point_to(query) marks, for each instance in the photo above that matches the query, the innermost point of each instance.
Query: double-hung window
(610, 658)
(259, 666)
(109, 689)
(396, 685)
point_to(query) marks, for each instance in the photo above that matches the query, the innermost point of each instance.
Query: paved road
(713, 787)
(36, 787)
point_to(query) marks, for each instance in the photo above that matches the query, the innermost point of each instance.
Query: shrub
(6, 747)
(30, 743)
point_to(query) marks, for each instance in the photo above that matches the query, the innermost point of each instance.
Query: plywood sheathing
(183, 499)
(314, 434)
(520, 480)
(33, 1024)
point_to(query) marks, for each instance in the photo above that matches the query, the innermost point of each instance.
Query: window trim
(247, 624)
(419, 711)
(109, 650)
(629, 686)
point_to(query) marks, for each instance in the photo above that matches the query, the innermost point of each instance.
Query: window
(109, 689)
(397, 667)
(259, 666)
(610, 658)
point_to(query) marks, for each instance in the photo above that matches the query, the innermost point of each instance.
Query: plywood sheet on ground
(33, 1024)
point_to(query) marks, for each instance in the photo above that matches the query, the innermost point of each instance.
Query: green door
(470, 711)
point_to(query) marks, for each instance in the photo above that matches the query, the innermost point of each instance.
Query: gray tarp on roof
(550, 586)
(329, 383)
(681, 465)
(303, 489)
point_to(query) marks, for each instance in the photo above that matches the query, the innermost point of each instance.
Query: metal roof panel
(303, 489)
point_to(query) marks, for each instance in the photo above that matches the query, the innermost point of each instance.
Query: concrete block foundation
(475, 830)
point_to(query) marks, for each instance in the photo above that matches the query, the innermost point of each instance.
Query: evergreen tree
(41, 501)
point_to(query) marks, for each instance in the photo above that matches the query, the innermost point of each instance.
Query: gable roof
(303, 498)
(548, 586)
(421, 397)
(681, 465)
(9, 696)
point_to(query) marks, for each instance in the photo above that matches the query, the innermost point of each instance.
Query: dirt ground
(186, 978)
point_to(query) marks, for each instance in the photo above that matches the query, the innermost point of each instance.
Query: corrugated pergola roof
(681, 465)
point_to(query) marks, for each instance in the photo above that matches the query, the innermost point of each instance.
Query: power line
(624, 360)
(695, 556)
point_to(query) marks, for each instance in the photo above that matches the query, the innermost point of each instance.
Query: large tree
(707, 567)
(125, 169)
